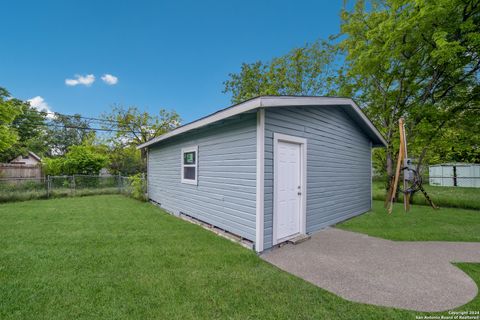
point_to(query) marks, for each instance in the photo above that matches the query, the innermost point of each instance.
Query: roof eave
(273, 101)
(217, 116)
(35, 156)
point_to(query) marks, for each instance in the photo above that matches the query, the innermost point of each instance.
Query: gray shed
(268, 169)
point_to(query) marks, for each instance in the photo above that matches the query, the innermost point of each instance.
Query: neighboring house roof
(279, 101)
(34, 155)
(30, 153)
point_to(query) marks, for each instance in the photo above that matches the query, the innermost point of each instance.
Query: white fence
(455, 175)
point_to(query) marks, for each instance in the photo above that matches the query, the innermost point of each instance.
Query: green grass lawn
(111, 257)
(422, 223)
(457, 197)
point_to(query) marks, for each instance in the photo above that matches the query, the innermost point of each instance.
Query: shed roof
(346, 104)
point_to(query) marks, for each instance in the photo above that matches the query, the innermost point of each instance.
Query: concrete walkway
(408, 275)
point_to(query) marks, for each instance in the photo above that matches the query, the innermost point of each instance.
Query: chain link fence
(16, 189)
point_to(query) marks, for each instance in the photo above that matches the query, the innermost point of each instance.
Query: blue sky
(165, 54)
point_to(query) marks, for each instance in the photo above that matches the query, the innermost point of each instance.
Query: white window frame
(185, 150)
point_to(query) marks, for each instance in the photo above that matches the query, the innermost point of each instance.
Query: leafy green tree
(80, 159)
(53, 166)
(84, 159)
(9, 109)
(32, 133)
(125, 160)
(134, 127)
(67, 131)
(30, 130)
(309, 70)
(417, 59)
(138, 187)
(459, 142)
(413, 59)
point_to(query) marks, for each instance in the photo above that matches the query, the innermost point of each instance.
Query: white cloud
(86, 80)
(41, 105)
(109, 79)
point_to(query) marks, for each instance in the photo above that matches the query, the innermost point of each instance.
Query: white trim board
(146, 175)
(371, 176)
(303, 162)
(269, 102)
(260, 190)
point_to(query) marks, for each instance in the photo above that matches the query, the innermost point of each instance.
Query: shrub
(137, 183)
(81, 159)
(52, 166)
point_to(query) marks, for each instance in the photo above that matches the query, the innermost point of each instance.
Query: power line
(86, 118)
(76, 116)
(89, 128)
(98, 121)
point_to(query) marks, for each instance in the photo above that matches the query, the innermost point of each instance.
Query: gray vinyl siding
(338, 164)
(225, 194)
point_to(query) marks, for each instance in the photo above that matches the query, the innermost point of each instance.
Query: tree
(32, 134)
(84, 159)
(67, 131)
(125, 160)
(457, 143)
(134, 127)
(9, 109)
(309, 70)
(413, 59)
(417, 59)
(80, 159)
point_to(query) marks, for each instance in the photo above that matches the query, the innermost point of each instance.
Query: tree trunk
(389, 167)
(143, 153)
(389, 163)
(420, 159)
(389, 158)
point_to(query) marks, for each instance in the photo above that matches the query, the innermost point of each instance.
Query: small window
(190, 165)
(24, 157)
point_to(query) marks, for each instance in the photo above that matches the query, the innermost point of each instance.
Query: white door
(288, 194)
